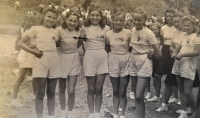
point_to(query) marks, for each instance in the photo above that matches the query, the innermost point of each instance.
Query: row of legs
(94, 95)
(185, 91)
(95, 88)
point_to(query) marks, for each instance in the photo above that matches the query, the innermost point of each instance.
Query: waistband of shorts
(166, 45)
(139, 53)
(96, 49)
(119, 54)
(48, 50)
(66, 52)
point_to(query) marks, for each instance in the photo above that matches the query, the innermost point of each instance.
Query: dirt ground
(9, 26)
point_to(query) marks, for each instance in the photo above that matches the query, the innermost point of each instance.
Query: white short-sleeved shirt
(177, 36)
(67, 43)
(167, 33)
(45, 38)
(32, 41)
(95, 37)
(141, 40)
(119, 42)
(188, 42)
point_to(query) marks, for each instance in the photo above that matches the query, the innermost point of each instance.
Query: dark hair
(64, 24)
(87, 21)
(50, 9)
(170, 10)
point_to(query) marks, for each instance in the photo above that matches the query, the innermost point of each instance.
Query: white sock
(155, 97)
(91, 115)
(51, 116)
(149, 93)
(63, 113)
(69, 113)
(115, 116)
(163, 104)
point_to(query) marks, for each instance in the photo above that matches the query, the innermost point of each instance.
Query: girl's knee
(181, 89)
(188, 93)
(71, 92)
(157, 76)
(91, 90)
(50, 94)
(20, 79)
(115, 92)
(62, 90)
(138, 98)
(98, 91)
(122, 94)
(40, 95)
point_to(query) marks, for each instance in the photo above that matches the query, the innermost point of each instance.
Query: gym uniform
(141, 41)
(186, 67)
(119, 56)
(48, 66)
(95, 60)
(69, 56)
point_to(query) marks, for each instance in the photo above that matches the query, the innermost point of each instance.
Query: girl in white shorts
(142, 40)
(185, 64)
(25, 59)
(118, 40)
(95, 62)
(70, 61)
(46, 65)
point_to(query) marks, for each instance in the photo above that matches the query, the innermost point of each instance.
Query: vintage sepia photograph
(100, 59)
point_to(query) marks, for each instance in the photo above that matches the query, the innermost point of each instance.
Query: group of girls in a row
(120, 52)
(180, 47)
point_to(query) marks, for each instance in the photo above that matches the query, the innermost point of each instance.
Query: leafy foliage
(152, 6)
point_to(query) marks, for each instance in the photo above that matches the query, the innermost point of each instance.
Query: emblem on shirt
(188, 41)
(53, 38)
(139, 38)
(120, 39)
(100, 37)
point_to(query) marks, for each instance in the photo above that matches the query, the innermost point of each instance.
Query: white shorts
(25, 59)
(118, 65)
(70, 64)
(95, 62)
(140, 65)
(186, 67)
(48, 66)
